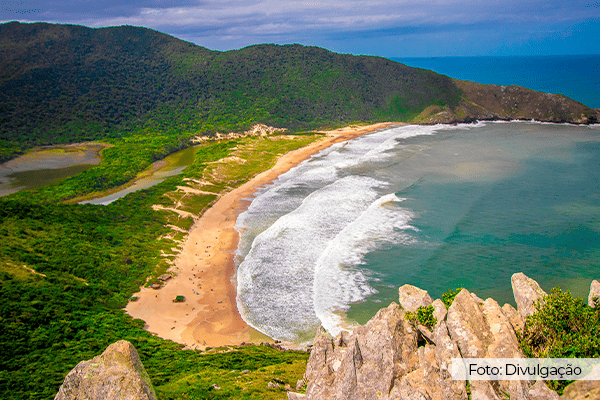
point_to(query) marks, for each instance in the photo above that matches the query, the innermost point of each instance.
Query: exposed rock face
(594, 293)
(582, 390)
(490, 102)
(540, 391)
(115, 374)
(527, 292)
(411, 298)
(394, 358)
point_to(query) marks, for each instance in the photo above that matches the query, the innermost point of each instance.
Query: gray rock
(346, 375)
(422, 383)
(115, 374)
(388, 344)
(540, 391)
(447, 350)
(412, 297)
(516, 320)
(484, 390)
(467, 326)
(582, 390)
(295, 396)
(504, 344)
(318, 375)
(527, 292)
(594, 293)
(439, 312)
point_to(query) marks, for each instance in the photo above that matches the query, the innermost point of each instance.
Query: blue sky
(395, 28)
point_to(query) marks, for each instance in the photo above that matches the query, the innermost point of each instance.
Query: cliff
(393, 356)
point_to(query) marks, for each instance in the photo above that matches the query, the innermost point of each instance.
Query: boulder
(540, 391)
(115, 374)
(318, 375)
(527, 292)
(516, 320)
(504, 344)
(447, 350)
(422, 383)
(439, 312)
(295, 396)
(582, 390)
(411, 298)
(467, 326)
(388, 344)
(594, 293)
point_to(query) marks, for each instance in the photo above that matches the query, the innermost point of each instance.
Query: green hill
(66, 83)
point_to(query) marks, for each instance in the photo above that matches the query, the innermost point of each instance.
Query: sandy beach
(208, 317)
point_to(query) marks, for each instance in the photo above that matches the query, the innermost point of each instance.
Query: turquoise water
(577, 76)
(439, 207)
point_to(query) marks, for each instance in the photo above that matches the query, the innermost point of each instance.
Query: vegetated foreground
(67, 270)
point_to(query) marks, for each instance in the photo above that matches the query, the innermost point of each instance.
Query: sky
(392, 28)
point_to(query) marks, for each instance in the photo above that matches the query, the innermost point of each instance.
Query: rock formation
(394, 357)
(526, 292)
(594, 294)
(115, 374)
(493, 102)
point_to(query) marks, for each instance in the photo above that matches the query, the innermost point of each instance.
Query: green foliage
(424, 315)
(563, 326)
(67, 269)
(448, 296)
(65, 83)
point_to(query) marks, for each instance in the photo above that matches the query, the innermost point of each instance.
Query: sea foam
(304, 237)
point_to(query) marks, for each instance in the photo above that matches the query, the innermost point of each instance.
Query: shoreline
(209, 317)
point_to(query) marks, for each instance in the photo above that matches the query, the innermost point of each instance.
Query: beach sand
(208, 317)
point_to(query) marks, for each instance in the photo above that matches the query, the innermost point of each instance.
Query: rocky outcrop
(594, 294)
(411, 298)
(527, 292)
(582, 390)
(115, 374)
(394, 357)
(493, 102)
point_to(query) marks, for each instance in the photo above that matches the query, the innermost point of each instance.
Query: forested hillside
(66, 83)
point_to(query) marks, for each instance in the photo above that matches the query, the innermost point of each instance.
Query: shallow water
(439, 207)
(46, 167)
(174, 165)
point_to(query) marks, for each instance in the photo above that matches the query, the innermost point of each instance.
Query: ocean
(576, 76)
(438, 207)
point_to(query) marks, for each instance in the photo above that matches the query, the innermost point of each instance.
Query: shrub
(424, 315)
(448, 297)
(563, 326)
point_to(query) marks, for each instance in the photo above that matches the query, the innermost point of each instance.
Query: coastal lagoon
(438, 207)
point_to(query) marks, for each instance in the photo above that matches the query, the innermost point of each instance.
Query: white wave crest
(338, 282)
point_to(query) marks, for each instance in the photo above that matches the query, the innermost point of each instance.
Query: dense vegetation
(562, 327)
(64, 83)
(66, 271)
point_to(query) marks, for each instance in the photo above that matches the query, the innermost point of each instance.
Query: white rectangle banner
(511, 369)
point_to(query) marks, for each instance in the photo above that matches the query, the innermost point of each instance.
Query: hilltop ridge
(68, 83)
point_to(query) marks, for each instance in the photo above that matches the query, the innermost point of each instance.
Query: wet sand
(208, 317)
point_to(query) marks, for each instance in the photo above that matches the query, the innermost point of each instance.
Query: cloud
(255, 21)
